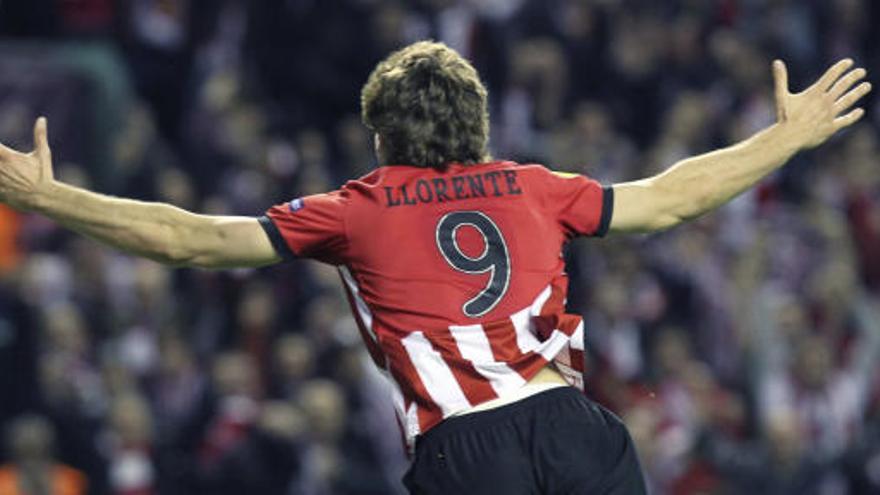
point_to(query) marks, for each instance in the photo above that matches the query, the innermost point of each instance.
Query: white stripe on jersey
(411, 425)
(522, 321)
(571, 375)
(435, 374)
(361, 305)
(473, 344)
(525, 336)
(577, 337)
(538, 303)
(564, 356)
(551, 347)
(408, 417)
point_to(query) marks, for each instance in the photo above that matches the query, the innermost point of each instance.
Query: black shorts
(554, 442)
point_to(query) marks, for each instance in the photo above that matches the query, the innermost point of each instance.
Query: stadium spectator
(33, 468)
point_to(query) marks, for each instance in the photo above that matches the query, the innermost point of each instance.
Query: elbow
(696, 206)
(663, 221)
(181, 254)
(195, 247)
(677, 217)
(672, 208)
(685, 206)
(170, 255)
(681, 198)
(171, 248)
(177, 258)
(666, 222)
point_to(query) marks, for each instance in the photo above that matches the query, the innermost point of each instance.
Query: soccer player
(452, 264)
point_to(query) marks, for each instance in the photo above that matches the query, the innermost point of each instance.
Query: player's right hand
(821, 110)
(24, 176)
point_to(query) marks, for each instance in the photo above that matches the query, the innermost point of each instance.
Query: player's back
(466, 245)
(456, 276)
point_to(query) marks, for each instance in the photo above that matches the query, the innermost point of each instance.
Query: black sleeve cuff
(607, 211)
(275, 238)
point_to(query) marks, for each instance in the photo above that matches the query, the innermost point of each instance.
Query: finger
(780, 77)
(846, 82)
(850, 99)
(41, 140)
(849, 119)
(833, 74)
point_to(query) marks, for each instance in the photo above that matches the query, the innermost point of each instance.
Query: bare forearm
(705, 182)
(702, 183)
(152, 230)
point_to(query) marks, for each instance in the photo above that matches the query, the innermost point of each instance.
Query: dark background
(741, 350)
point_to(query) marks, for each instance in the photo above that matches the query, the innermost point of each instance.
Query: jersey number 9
(494, 259)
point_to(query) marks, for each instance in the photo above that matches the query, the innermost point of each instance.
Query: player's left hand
(821, 110)
(23, 176)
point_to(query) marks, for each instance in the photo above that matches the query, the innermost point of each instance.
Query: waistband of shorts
(480, 420)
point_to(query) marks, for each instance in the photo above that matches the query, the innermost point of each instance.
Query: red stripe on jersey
(474, 385)
(502, 339)
(556, 302)
(576, 359)
(552, 314)
(529, 367)
(568, 323)
(548, 321)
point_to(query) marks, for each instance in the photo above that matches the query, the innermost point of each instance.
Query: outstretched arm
(158, 231)
(700, 184)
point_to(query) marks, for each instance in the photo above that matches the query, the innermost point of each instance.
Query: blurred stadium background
(742, 350)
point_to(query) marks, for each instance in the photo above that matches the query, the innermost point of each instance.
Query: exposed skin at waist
(548, 377)
(548, 374)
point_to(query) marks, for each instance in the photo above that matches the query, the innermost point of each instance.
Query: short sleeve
(581, 205)
(309, 227)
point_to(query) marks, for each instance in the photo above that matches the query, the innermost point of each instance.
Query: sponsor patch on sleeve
(296, 205)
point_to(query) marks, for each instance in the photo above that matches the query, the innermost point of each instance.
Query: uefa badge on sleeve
(296, 205)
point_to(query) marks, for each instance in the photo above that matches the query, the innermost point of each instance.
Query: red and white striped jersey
(455, 277)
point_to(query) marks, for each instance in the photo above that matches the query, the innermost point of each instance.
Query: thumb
(780, 77)
(41, 141)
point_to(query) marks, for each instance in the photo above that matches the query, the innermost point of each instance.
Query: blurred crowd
(742, 350)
